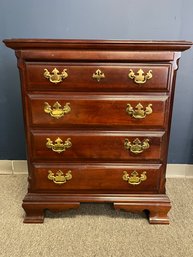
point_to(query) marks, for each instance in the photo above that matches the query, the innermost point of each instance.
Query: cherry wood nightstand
(97, 118)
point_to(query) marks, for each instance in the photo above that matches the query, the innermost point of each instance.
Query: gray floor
(95, 230)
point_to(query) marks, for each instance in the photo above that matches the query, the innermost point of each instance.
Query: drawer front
(96, 178)
(97, 146)
(97, 77)
(58, 110)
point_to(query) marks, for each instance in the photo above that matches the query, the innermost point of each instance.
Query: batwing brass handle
(54, 76)
(57, 111)
(58, 146)
(59, 178)
(139, 112)
(139, 77)
(134, 178)
(98, 75)
(136, 146)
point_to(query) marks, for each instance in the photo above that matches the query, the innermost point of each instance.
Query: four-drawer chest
(97, 120)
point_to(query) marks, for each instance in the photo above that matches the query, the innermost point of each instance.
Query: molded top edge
(157, 45)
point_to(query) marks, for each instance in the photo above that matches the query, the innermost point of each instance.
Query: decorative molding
(18, 167)
(176, 60)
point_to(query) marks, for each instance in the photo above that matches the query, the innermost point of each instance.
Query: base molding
(157, 205)
(157, 212)
(35, 211)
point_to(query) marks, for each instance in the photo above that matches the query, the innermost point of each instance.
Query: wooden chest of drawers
(97, 117)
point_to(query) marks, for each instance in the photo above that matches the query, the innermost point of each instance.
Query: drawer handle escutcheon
(138, 112)
(98, 75)
(134, 178)
(59, 178)
(136, 146)
(58, 146)
(54, 76)
(139, 77)
(57, 111)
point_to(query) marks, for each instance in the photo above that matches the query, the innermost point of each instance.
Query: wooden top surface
(126, 45)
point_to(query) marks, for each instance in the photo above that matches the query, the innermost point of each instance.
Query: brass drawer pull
(138, 112)
(57, 111)
(139, 77)
(54, 76)
(58, 146)
(134, 178)
(136, 146)
(59, 178)
(98, 75)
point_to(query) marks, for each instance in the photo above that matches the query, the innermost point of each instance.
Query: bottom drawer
(96, 178)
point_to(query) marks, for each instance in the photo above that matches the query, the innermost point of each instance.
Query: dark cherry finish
(106, 178)
(98, 123)
(80, 77)
(95, 110)
(97, 146)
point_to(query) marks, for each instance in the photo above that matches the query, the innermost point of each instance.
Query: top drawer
(97, 77)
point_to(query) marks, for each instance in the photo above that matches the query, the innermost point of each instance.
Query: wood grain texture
(90, 178)
(98, 123)
(95, 110)
(97, 145)
(80, 77)
(72, 44)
